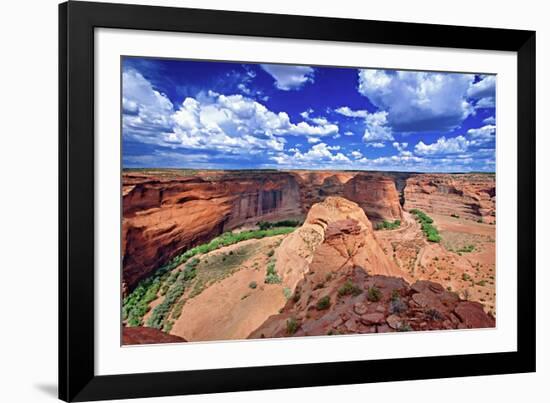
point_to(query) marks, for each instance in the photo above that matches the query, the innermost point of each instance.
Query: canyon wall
(164, 217)
(166, 212)
(376, 194)
(471, 196)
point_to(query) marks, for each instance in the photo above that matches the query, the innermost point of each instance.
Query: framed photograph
(256, 201)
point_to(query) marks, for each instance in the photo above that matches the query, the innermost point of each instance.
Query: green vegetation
(286, 223)
(481, 283)
(272, 277)
(287, 293)
(136, 304)
(431, 232)
(455, 215)
(253, 284)
(374, 294)
(291, 325)
(388, 225)
(466, 277)
(466, 249)
(323, 303)
(349, 289)
(405, 327)
(176, 312)
(161, 311)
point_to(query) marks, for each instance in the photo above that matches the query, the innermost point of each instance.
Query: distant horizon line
(306, 169)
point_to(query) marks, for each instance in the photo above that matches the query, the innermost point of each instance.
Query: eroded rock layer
(164, 217)
(376, 194)
(470, 196)
(395, 306)
(166, 212)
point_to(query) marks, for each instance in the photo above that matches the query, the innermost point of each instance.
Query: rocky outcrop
(362, 303)
(163, 217)
(166, 212)
(471, 196)
(336, 234)
(315, 186)
(147, 335)
(343, 282)
(377, 196)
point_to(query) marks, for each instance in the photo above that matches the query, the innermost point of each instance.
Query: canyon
(166, 212)
(357, 245)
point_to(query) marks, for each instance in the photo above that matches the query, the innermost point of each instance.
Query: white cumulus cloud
(418, 101)
(443, 145)
(289, 77)
(484, 91)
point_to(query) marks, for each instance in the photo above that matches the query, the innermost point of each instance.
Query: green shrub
(161, 311)
(167, 326)
(291, 325)
(287, 293)
(466, 249)
(431, 232)
(176, 312)
(455, 215)
(388, 225)
(481, 283)
(272, 277)
(466, 277)
(374, 294)
(323, 303)
(348, 288)
(253, 284)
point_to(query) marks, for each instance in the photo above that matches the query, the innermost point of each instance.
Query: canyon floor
(291, 255)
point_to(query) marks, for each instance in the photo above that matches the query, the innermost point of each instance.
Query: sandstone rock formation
(164, 217)
(377, 196)
(343, 282)
(470, 196)
(336, 234)
(394, 307)
(166, 212)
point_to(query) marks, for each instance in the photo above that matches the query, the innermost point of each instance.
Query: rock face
(166, 212)
(343, 282)
(466, 195)
(166, 216)
(336, 234)
(377, 196)
(316, 186)
(394, 307)
(147, 335)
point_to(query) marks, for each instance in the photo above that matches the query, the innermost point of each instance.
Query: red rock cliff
(466, 195)
(164, 217)
(377, 196)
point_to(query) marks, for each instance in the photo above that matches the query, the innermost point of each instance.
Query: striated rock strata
(164, 217)
(470, 196)
(336, 234)
(377, 196)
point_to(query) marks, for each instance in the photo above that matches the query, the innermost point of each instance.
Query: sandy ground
(470, 274)
(230, 308)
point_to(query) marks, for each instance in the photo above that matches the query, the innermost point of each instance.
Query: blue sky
(218, 115)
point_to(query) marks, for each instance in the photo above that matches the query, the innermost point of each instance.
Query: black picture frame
(77, 379)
